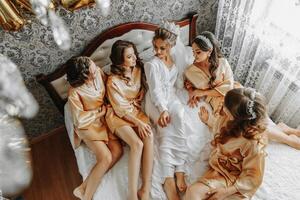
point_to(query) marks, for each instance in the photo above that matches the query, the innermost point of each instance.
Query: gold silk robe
(239, 162)
(85, 102)
(125, 96)
(223, 83)
(215, 123)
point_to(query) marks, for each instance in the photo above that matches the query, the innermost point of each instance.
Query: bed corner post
(193, 26)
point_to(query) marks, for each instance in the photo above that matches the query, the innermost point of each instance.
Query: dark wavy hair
(78, 70)
(214, 56)
(117, 56)
(237, 102)
(164, 34)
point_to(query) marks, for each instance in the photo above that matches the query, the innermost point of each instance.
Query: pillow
(61, 85)
(147, 54)
(106, 69)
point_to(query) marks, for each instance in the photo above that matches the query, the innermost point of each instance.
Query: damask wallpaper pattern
(34, 50)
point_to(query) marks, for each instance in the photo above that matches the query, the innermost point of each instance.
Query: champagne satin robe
(239, 162)
(85, 102)
(125, 96)
(223, 83)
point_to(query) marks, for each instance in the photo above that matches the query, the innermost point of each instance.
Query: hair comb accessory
(171, 27)
(250, 104)
(250, 110)
(206, 40)
(253, 93)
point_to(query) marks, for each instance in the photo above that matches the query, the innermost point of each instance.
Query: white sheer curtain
(261, 40)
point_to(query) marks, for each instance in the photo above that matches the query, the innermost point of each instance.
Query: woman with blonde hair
(165, 109)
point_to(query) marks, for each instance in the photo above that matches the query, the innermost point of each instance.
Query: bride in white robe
(179, 142)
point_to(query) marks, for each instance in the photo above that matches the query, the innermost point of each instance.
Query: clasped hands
(101, 111)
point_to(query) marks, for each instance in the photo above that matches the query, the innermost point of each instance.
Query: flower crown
(206, 40)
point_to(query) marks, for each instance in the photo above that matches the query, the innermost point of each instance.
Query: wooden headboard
(56, 84)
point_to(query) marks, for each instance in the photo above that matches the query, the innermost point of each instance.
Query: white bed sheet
(114, 183)
(281, 179)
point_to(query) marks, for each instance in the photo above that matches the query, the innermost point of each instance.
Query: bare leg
(116, 150)
(196, 191)
(170, 189)
(147, 165)
(180, 181)
(278, 135)
(290, 131)
(127, 134)
(104, 159)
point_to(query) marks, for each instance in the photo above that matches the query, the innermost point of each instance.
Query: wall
(35, 52)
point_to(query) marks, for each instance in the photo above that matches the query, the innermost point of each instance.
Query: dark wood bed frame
(113, 32)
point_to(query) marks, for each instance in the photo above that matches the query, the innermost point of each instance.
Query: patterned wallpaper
(34, 50)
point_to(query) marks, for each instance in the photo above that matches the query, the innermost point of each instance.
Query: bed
(282, 163)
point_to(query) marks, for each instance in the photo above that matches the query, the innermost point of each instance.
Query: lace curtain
(261, 41)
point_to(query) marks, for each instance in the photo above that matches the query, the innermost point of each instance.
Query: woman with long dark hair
(210, 77)
(86, 99)
(125, 118)
(236, 163)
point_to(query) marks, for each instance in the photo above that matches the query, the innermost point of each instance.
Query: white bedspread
(281, 179)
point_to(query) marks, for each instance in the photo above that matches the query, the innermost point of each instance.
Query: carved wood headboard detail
(52, 81)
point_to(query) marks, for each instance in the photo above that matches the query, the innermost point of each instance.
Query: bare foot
(170, 189)
(285, 128)
(180, 181)
(78, 192)
(143, 194)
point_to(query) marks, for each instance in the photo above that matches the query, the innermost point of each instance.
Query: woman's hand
(197, 94)
(144, 129)
(192, 102)
(221, 193)
(188, 85)
(164, 119)
(141, 95)
(203, 114)
(102, 111)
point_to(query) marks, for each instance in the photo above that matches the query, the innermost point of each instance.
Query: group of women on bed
(107, 109)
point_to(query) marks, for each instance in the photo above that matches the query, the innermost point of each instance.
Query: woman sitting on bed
(210, 77)
(165, 109)
(86, 100)
(126, 120)
(236, 163)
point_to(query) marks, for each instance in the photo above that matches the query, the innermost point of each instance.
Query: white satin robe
(161, 96)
